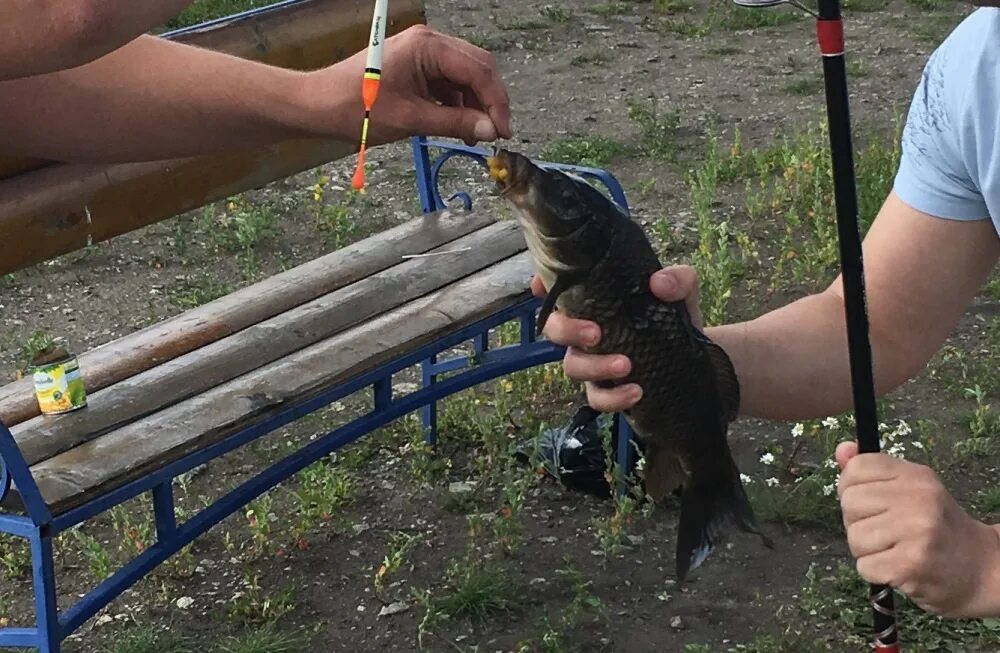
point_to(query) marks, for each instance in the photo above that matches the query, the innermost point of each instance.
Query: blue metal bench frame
(40, 527)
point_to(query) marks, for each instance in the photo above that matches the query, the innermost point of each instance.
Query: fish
(595, 262)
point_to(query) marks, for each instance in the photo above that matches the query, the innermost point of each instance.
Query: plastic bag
(574, 454)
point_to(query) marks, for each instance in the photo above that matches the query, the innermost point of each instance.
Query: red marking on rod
(886, 648)
(830, 34)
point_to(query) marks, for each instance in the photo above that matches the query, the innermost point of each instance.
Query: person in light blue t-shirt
(931, 248)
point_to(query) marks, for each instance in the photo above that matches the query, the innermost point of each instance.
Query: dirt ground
(572, 71)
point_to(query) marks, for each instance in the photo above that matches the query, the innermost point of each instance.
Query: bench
(171, 397)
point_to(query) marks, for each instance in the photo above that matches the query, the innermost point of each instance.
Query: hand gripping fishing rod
(830, 36)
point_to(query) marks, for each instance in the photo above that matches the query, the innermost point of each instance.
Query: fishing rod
(830, 36)
(370, 83)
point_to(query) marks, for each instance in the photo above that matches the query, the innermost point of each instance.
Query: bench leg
(428, 414)
(46, 610)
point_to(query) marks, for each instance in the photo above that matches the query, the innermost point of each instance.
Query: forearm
(155, 99)
(793, 363)
(43, 36)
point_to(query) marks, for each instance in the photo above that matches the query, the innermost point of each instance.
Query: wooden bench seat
(181, 385)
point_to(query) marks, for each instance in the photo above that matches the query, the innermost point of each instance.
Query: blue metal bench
(40, 505)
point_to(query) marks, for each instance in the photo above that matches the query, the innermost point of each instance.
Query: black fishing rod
(830, 36)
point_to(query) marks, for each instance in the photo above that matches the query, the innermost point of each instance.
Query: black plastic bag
(574, 454)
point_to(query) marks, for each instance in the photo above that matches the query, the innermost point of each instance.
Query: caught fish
(595, 263)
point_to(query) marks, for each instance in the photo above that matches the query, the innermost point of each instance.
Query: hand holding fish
(906, 531)
(672, 283)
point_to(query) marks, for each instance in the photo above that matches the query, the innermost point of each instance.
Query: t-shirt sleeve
(933, 176)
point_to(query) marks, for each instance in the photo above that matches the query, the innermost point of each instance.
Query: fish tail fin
(712, 499)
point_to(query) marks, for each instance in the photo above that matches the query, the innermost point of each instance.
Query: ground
(712, 118)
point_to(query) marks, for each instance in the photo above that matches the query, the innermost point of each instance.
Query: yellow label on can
(59, 387)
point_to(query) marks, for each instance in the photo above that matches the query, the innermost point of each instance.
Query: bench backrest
(48, 209)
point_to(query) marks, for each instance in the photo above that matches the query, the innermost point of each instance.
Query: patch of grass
(556, 14)
(263, 641)
(609, 9)
(671, 7)
(658, 129)
(805, 86)
(473, 589)
(836, 596)
(196, 292)
(595, 151)
(522, 25)
(144, 639)
(336, 219)
(856, 68)
(930, 5)
(722, 251)
(322, 489)
(204, 10)
(739, 18)
(864, 5)
(557, 635)
(253, 604)
(15, 556)
(586, 58)
(988, 500)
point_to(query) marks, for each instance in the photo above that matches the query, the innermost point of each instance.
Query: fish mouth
(506, 171)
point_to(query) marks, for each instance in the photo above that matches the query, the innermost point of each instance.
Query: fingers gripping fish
(595, 263)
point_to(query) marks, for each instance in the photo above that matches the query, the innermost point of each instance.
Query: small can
(58, 384)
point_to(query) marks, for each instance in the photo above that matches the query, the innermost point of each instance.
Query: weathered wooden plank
(262, 343)
(302, 36)
(61, 208)
(142, 350)
(98, 466)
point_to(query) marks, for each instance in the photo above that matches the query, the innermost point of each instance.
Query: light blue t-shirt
(950, 164)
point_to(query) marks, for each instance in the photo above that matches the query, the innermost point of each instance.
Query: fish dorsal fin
(726, 383)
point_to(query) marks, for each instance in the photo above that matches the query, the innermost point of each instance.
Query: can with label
(58, 384)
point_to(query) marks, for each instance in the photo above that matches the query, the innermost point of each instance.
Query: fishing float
(370, 84)
(830, 38)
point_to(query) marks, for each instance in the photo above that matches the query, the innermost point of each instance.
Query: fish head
(568, 224)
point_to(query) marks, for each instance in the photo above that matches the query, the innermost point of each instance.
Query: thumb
(845, 451)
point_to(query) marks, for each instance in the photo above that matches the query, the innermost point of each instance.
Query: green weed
(204, 10)
(805, 86)
(988, 500)
(595, 151)
(836, 596)
(608, 9)
(658, 130)
(739, 18)
(400, 544)
(263, 641)
(671, 7)
(555, 14)
(586, 58)
(556, 636)
(473, 588)
(94, 552)
(931, 5)
(864, 5)
(253, 604)
(196, 292)
(15, 556)
(335, 220)
(322, 489)
(145, 639)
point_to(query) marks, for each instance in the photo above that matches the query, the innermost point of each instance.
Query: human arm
(792, 363)
(43, 36)
(157, 99)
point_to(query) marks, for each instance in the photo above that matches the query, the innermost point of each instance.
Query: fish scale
(595, 263)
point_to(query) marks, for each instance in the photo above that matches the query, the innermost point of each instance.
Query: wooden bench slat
(64, 207)
(264, 342)
(164, 341)
(96, 467)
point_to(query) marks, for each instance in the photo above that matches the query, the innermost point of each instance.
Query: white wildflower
(798, 430)
(828, 489)
(772, 482)
(746, 479)
(831, 423)
(902, 429)
(918, 444)
(767, 458)
(897, 450)
(831, 463)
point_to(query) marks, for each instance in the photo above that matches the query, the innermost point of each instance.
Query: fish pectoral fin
(562, 284)
(726, 383)
(662, 473)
